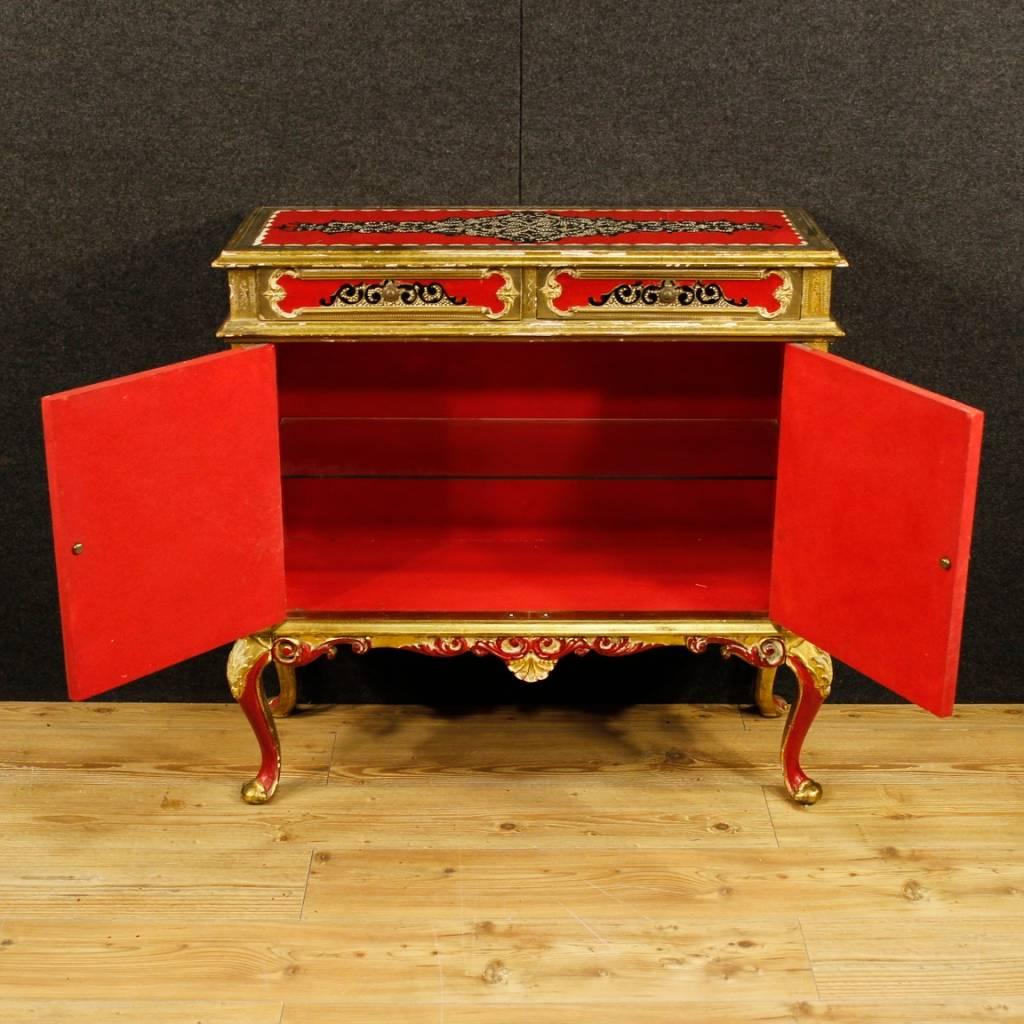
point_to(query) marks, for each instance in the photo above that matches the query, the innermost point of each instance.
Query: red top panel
(528, 227)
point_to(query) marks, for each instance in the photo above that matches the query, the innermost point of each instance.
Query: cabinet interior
(529, 477)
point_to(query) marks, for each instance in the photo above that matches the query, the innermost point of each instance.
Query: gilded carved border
(392, 303)
(552, 290)
(529, 656)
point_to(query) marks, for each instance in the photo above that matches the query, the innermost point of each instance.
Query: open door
(165, 490)
(875, 500)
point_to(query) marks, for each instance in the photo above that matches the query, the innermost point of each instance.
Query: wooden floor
(509, 866)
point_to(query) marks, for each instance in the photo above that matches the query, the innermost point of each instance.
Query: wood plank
(976, 937)
(77, 713)
(164, 887)
(606, 885)
(226, 714)
(179, 814)
(948, 953)
(102, 752)
(949, 815)
(959, 1011)
(457, 748)
(560, 959)
(329, 716)
(267, 884)
(967, 752)
(79, 1011)
(726, 1012)
(479, 746)
(904, 716)
(624, 813)
(923, 1009)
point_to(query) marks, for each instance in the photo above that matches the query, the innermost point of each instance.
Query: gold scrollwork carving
(288, 650)
(507, 293)
(275, 293)
(531, 668)
(783, 294)
(243, 656)
(761, 651)
(529, 658)
(552, 290)
(817, 662)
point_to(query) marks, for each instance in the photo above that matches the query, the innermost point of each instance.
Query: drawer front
(341, 294)
(593, 293)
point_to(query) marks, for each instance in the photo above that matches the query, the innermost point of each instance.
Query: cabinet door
(876, 484)
(165, 490)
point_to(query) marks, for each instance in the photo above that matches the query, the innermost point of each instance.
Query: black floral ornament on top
(528, 226)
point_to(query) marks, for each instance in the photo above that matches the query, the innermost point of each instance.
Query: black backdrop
(138, 134)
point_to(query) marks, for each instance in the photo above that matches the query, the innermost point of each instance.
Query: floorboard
(510, 866)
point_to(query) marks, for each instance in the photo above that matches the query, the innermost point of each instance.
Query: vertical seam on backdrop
(520, 193)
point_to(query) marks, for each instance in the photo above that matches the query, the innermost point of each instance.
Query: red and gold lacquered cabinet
(527, 433)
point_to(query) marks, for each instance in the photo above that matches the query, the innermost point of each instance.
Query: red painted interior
(876, 484)
(414, 446)
(783, 233)
(457, 545)
(170, 480)
(696, 380)
(404, 460)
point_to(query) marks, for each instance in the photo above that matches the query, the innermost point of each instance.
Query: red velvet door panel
(165, 492)
(875, 500)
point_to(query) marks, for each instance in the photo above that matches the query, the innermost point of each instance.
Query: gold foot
(254, 792)
(807, 793)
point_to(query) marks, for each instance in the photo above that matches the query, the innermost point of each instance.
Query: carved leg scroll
(248, 659)
(813, 669)
(284, 703)
(770, 705)
(246, 663)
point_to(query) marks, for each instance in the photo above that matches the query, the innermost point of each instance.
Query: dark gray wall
(138, 135)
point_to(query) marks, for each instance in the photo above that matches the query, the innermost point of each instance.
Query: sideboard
(519, 432)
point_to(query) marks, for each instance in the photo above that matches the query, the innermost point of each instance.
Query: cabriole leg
(770, 705)
(246, 663)
(284, 703)
(813, 670)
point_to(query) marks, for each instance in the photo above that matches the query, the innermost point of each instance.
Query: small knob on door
(76, 549)
(945, 563)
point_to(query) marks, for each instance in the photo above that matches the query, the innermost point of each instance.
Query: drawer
(626, 294)
(393, 294)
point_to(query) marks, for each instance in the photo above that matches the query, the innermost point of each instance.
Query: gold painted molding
(243, 656)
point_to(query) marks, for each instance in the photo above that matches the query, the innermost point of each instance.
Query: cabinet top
(304, 236)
